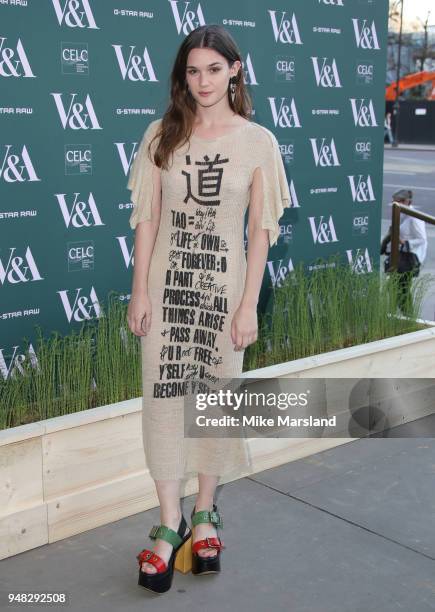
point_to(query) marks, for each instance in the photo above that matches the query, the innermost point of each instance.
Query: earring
(233, 88)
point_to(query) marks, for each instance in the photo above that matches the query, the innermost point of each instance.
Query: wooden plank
(20, 476)
(104, 503)
(23, 530)
(89, 455)
(420, 344)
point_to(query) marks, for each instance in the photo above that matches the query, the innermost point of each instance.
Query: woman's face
(207, 72)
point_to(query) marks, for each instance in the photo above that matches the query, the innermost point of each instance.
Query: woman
(194, 294)
(413, 247)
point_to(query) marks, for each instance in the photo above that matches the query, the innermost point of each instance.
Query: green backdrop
(81, 79)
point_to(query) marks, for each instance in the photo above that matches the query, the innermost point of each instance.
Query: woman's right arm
(139, 309)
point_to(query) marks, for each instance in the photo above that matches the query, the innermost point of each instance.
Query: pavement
(411, 147)
(349, 529)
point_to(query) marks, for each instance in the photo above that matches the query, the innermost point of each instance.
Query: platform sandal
(207, 565)
(180, 559)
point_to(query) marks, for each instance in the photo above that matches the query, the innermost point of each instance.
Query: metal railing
(395, 228)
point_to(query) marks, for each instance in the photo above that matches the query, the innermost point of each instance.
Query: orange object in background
(412, 80)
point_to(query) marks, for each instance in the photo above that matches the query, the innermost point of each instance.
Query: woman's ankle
(204, 504)
(171, 515)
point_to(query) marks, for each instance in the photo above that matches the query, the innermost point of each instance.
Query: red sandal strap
(149, 556)
(207, 543)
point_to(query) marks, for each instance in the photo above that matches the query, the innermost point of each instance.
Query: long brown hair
(177, 122)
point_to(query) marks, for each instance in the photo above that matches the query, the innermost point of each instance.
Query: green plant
(100, 364)
(97, 365)
(329, 309)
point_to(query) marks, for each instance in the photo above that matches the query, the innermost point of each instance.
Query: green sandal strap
(207, 516)
(165, 533)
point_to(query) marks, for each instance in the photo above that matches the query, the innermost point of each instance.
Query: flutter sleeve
(140, 180)
(276, 194)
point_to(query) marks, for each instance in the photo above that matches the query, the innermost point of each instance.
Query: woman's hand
(139, 314)
(244, 327)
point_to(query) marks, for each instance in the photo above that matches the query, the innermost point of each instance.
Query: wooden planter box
(69, 474)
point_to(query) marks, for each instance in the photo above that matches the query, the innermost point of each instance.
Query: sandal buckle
(144, 556)
(154, 530)
(215, 518)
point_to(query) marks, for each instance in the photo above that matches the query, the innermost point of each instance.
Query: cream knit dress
(195, 284)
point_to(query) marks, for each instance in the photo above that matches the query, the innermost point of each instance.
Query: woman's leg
(168, 492)
(204, 501)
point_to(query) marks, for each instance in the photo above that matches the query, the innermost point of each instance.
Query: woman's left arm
(244, 325)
